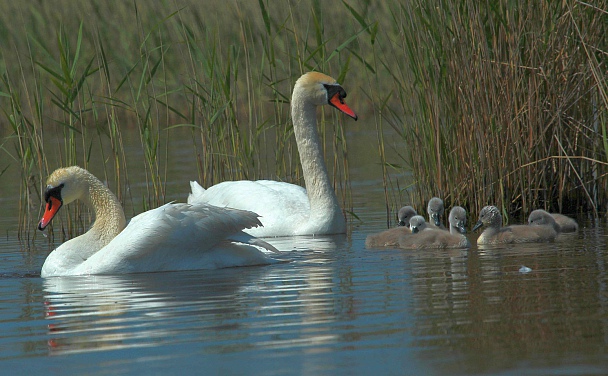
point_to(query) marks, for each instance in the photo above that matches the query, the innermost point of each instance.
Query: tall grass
(504, 103)
(94, 72)
(501, 103)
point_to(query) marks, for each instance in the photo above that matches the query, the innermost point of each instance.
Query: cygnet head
(458, 219)
(540, 217)
(435, 210)
(405, 214)
(489, 216)
(417, 224)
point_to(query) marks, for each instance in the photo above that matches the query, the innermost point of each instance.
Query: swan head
(489, 216)
(417, 224)
(63, 186)
(435, 210)
(319, 89)
(458, 219)
(405, 214)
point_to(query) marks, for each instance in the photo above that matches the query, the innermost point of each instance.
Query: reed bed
(94, 72)
(502, 104)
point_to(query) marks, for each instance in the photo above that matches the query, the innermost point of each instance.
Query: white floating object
(524, 269)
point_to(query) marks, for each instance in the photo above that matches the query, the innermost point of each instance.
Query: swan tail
(261, 243)
(229, 254)
(251, 240)
(196, 196)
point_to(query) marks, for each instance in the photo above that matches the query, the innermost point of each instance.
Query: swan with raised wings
(169, 238)
(287, 209)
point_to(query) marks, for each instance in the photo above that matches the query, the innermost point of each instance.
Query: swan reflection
(221, 310)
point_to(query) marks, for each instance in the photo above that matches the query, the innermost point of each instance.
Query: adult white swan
(171, 237)
(287, 209)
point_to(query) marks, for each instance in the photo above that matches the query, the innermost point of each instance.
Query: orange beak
(52, 207)
(338, 103)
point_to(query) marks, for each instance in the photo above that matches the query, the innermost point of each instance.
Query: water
(332, 308)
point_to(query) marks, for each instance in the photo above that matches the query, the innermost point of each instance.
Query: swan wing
(282, 207)
(179, 237)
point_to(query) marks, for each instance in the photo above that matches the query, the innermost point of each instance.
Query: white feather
(287, 209)
(171, 237)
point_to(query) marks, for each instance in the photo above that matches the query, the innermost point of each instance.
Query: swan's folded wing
(173, 237)
(246, 194)
(197, 225)
(252, 240)
(282, 207)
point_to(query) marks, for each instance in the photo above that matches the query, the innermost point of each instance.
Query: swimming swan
(287, 209)
(565, 223)
(390, 237)
(438, 238)
(494, 233)
(560, 222)
(171, 237)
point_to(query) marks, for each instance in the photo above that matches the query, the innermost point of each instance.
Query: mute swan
(171, 237)
(287, 209)
(437, 238)
(495, 234)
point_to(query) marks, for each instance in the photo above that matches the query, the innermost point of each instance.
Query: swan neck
(109, 215)
(320, 191)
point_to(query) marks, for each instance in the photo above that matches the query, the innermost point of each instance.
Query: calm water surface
(332, 308)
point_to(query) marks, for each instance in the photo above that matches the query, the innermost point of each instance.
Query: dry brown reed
(504, 103)
(500, 102)
(92, 72)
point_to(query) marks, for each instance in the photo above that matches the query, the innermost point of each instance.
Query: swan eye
(333, 90)
(53, 192)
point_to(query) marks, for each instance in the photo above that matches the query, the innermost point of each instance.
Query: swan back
(390, 237)
(438, 238)
(387, 238)
(178, 237)
(434, 238)
(540, 217)
(565, 223)
(495, 234)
